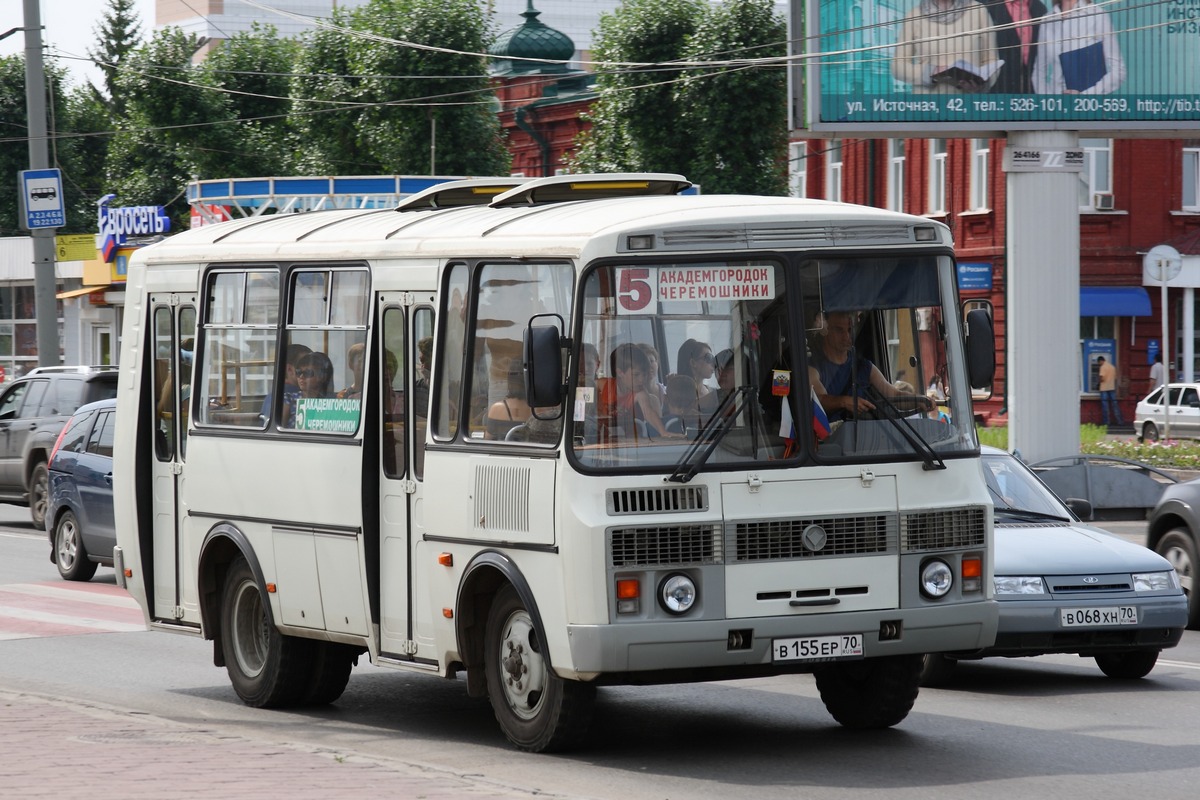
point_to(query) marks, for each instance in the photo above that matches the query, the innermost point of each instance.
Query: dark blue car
(80, 516)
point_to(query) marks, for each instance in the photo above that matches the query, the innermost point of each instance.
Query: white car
(1182, 409)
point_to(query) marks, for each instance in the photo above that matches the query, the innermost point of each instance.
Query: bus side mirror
(543, 365)
(981, 349)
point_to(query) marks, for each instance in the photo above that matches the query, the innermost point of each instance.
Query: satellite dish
(1162, 264)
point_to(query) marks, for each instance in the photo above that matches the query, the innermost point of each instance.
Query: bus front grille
(657, 500)
(944, 528)
(815, 537)
(668, 545)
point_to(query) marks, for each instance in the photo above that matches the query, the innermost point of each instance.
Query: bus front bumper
(731, 644)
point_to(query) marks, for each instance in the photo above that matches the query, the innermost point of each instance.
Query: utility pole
(44, 255)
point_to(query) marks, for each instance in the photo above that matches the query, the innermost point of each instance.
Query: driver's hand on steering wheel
(849, 404)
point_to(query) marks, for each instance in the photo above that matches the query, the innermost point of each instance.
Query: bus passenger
(656, 389)
(625, 394)
(355, 358)
(696, 360)
(510, 411)
(291, 387)
(314, 372)
(421, 385)
(683, 406)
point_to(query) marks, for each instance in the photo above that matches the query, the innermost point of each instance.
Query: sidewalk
(74, 750)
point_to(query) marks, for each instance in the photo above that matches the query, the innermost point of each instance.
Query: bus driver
(843, 393)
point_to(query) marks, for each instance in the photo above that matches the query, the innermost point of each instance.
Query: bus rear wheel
(266, 668)
(331, 666)
(873, 693)
(538, 711)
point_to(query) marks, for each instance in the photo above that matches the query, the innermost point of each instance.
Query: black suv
(33, 410)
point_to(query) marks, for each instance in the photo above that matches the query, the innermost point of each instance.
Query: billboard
(934, 66)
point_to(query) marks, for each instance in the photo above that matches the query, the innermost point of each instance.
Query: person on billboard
(947, 47)
(1077, 52)
(1017, 26)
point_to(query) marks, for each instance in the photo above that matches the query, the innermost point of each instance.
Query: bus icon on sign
(48, 192)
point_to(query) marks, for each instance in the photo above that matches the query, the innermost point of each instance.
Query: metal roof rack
(454, 194)
(563, 188)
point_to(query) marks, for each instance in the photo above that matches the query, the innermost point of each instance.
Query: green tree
(175, 127)
(82, 148)
(413, 94)
(638, 122)
(254, 69)
(117, 35)
(724, 127)
(738, 113)
(325, 111)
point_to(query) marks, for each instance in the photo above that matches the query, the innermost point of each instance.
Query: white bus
(434, 437)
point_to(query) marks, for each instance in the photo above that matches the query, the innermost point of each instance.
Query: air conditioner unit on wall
(1102, 201)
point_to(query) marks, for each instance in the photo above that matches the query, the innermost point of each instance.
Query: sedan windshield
(1014, 488)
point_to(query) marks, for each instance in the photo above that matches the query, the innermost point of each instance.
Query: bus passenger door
(174, 332)
(402, 364)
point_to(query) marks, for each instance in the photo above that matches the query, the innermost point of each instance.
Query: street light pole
(44, 256)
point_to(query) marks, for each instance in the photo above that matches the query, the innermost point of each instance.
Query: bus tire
(538, 711)
(937, 669)
(331, 666)
(873, 693)
(266, 668)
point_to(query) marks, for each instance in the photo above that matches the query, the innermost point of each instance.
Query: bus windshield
(695, 366)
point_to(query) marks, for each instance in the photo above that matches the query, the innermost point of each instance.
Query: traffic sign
(42, 202)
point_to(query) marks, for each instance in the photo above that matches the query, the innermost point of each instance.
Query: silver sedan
(1066, 587)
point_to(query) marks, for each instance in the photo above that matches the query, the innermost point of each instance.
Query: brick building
(541, 98)
(1134, 194)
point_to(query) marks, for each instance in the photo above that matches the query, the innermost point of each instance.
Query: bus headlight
(936, 578)
(677, 593)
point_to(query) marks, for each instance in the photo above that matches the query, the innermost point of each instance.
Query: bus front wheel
(266, 668)
(873, 693)
(538, 711)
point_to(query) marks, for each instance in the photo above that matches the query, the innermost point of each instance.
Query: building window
(937, 176)
(798, 169)
(979, 174)
(1096, 178)
(1191, 175)
(895, 183)
(833, 170)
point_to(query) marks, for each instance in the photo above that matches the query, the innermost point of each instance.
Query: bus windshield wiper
(909, 431)
(714, 430)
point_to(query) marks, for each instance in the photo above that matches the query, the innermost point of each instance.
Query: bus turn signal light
(446, 559)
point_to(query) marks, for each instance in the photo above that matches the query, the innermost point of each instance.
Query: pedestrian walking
(1108, 392)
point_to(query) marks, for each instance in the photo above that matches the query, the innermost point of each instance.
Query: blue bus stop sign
(42, 203)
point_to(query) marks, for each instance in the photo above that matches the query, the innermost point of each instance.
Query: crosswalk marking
(31, 610)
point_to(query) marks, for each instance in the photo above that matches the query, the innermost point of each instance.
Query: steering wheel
(892, 407)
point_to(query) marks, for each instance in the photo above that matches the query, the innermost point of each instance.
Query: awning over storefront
(78, 292)
(1113, 301)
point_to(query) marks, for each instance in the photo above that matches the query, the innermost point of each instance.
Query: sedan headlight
(1019, 584)
(1155, 581)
